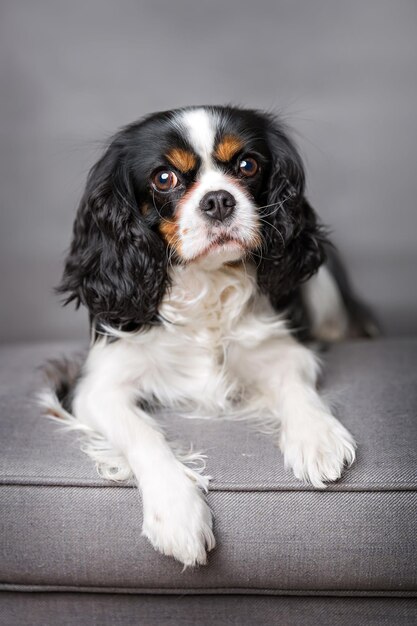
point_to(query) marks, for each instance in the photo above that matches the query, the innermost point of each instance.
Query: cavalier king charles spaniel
(203, 268)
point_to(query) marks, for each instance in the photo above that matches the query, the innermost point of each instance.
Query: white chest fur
(187, 362)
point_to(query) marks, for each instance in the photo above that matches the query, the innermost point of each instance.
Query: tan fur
(183, 160)
(169, 231)
(227, 148)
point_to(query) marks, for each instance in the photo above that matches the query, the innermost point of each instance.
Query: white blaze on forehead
(200, 126)
(196, 232)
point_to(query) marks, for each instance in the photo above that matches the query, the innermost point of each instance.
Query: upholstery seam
(220, 489)
(377, 593)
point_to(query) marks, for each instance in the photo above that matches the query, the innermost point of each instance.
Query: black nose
(218, 205)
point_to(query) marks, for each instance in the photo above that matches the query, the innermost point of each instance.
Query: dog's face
(208, 185)
(200, 184)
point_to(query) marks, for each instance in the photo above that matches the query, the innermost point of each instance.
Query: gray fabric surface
(279, 541)
(373, 386)
(48, 609)
(62, 526)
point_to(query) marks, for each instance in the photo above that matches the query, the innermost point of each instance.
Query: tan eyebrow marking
(227, 148)
(182, 159)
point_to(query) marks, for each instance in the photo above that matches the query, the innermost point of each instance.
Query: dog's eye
(248, 167)
(164, 180)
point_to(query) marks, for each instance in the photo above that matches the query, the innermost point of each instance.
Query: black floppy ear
(293, 240)
(116, 265)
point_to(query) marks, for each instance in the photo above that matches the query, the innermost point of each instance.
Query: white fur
(329, 320)
(220, 350)
(200, 127)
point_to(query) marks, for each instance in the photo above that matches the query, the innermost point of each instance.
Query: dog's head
(207, 185)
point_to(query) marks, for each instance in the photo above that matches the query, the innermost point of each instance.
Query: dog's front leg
(283, 375)
(176, 517)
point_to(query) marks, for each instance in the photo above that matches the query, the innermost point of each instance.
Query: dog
(205, 271)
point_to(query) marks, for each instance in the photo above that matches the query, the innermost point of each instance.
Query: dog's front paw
(178, 522)
(317, 449)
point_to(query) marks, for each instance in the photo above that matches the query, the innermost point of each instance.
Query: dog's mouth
(223, 242)
(224, 246)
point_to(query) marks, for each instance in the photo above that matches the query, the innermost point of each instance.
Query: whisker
(251, 254)
(261, 256)
(279, 203)
(275, 228)
(155, 207)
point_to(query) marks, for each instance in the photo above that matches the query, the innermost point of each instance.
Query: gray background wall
(344, 75)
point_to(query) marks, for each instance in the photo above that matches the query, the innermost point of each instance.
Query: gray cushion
(65, 528)
(106, 609)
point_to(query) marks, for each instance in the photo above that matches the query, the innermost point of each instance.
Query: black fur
(294, 241)
(116, 266)
(62, 375)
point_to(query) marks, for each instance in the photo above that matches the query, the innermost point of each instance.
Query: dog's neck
(204, 298)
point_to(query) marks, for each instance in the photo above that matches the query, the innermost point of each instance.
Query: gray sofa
(71, 548)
